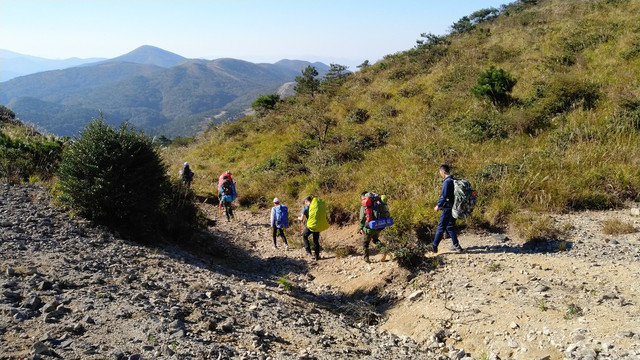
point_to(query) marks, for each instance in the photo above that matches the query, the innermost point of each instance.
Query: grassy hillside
(567, 140)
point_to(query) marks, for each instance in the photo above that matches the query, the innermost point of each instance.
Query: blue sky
(345, 32)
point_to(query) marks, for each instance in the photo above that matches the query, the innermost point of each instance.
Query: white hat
(186, 163)
(276, 201)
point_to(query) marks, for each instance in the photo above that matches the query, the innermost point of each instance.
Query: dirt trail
(497, 297)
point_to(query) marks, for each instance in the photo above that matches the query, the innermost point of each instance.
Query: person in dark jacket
(186, 174)
(445, 204)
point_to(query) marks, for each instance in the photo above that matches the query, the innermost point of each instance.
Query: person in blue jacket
(226, 194)
(445, 204)
(277, 227)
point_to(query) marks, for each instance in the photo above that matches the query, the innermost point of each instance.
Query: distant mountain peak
(151, 55)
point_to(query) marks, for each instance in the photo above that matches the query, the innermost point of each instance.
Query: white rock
(415, 295)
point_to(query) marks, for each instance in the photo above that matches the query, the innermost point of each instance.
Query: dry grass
(617, 227)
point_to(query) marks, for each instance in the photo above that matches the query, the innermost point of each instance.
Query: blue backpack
(282, 217)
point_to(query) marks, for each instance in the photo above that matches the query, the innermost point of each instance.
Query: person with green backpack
(314, 218)
(373, 211)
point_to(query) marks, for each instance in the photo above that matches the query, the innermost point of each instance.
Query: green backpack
(317, 216)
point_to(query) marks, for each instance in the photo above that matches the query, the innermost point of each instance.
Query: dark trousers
(368, 238)
(316, 241)
(446, 223)
(275, 233)
(228, 209)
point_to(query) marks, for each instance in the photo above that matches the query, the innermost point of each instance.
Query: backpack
(317, 216)
(464, 198)
(227, 188)
(222, 178)
(282, 217)
(376, 212)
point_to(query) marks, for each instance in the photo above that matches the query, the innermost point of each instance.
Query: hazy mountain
(161, 92)
(13, 64)
(150, 55)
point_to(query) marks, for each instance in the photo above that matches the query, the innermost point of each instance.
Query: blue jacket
(446, 199)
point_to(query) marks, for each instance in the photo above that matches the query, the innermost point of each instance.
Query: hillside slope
(568, 139)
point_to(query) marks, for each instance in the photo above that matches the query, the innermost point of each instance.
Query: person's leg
(440, 229)
(451, 230)
(284, 238)
(366, 239)
(231, 210)
(227, 210)
(316, 244)
(305, 239)
(275, 232)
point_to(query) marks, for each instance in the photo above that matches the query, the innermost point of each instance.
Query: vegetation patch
(617, 227)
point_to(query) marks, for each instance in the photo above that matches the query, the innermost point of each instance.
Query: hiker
(226, 195)
(279, 222)
(306, 232)
(186, 174)
(445, 204)
(369, 234)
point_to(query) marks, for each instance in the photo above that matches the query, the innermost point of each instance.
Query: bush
(358, 116)
(617, 227)
(534, 228)
(496, 84)
(116, 177)
(20, 160)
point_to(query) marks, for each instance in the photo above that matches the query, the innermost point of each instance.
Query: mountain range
(156, 90)
(15, 64)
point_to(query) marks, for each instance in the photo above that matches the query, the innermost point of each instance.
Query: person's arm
(446, 189)
(363, 222)
(273, 216)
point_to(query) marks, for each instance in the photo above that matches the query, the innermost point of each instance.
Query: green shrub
(33, 156)
(358, 116)
(495, 84)
(116, 177)
(484, 127)
(565, 93)
(410, 90)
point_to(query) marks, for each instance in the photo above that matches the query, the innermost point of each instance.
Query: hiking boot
(286, 248)
(384, 256)
(366, 259)
(317, 257)
(431, 248)
(456, 248)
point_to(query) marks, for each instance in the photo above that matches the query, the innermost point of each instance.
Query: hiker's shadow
(531, 247)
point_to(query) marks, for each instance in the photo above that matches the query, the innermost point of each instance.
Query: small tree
(462, 26)
(496, 84)
(364, 64)
(265, 103)
(336, 73)
(113, 176)
(307, 83)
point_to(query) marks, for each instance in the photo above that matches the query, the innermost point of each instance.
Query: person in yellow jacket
(304, 217)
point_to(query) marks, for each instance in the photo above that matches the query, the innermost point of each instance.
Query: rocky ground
(74, 291)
